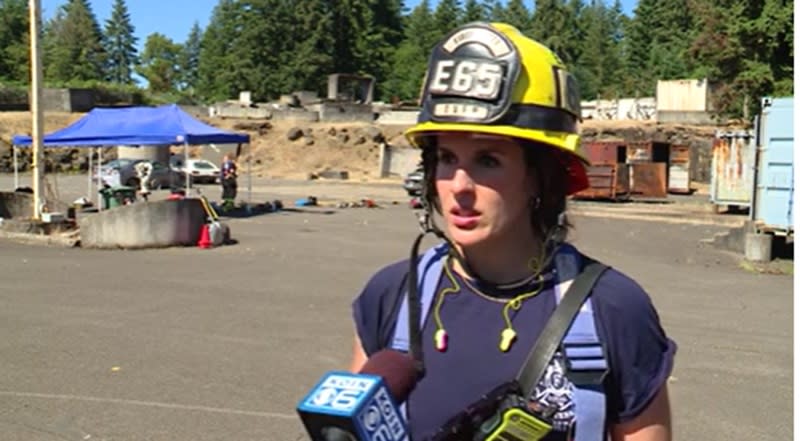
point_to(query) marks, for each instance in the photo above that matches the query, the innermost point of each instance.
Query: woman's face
(483, 186)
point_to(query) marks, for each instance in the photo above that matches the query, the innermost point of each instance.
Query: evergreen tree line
(273, 47)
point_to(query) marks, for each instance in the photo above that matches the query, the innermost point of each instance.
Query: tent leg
(99, 183)
(89, 176)
(186, 167)
(16, 169)
(249, 174)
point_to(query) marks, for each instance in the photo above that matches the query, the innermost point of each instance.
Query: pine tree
(598, 66)
(474, 10)
(745, 49)
(574, 34)
(446, 17)
(120, 44)
(553, 26)
(265, 50)
(218, 65)
(350, 18)
(73, 49)
(312, 60)
(657, 40)
(387, 35)
(517, 15)
(190, 59)
(411, 57)
(495, 10)
(14, 29)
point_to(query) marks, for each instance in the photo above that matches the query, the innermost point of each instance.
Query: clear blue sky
(174, 18)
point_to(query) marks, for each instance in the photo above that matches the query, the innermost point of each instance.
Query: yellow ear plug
(440, 340)
(506, 339)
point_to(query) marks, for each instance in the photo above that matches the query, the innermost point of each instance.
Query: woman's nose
(462, 182)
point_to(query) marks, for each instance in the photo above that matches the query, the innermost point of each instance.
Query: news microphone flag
(357, 404)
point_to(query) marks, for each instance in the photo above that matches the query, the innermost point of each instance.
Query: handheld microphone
(344, 406)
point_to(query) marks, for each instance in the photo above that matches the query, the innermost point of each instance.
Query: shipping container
(774, 189)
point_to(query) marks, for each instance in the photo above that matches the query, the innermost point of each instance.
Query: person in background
(228, 175)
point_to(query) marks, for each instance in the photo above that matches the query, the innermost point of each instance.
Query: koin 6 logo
(381, 419)
(342, 393)
(469, 78)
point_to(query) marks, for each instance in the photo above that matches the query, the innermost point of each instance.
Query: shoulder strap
(390, 307)
(429, 271)
(556, 328)
(584, 355)
(582, 347)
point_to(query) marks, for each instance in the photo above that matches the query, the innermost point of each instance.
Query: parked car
(122, 172)
(414, 181)
(200, 170)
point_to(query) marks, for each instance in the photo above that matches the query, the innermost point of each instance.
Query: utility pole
(36, 111)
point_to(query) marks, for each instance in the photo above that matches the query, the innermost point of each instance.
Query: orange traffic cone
(205, 237)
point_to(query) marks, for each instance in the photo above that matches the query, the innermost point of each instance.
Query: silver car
(414, 181)
(122, 172)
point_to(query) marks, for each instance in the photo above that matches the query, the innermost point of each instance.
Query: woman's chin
(467, 237)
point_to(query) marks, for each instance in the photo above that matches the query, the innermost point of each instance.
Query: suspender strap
(429, 271)
(555, 329)
(584, 356)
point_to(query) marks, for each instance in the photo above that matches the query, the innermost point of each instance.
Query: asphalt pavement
(220, 344)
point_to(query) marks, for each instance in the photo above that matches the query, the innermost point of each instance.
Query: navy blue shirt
(640, 355)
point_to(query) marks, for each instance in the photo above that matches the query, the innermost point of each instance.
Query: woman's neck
(500, 262)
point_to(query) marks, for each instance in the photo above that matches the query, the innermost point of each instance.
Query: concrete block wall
(16, 205)
(300, 115)
(67, 100)
(155, 224)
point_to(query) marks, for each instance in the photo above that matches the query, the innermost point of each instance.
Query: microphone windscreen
(397, 370)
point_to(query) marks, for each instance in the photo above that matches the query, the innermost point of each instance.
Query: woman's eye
(488, 161)
(446, 158)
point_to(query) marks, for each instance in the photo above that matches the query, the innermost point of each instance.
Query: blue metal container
(773, 191)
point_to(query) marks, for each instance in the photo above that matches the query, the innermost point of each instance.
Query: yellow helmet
(490, 78)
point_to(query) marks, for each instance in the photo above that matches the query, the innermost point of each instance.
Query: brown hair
(541, 161)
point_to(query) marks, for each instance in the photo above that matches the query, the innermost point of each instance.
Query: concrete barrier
(155, 224)
(16, 205)
(396, 161)
(398, 117)
(346, 112)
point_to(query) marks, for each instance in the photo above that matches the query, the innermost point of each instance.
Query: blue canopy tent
(136, 126)
(163, 125)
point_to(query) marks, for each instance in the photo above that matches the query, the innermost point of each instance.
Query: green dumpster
(116, 196)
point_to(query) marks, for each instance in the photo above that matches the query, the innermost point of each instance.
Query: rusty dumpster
(732, 168)
(648, 168)
(678, 173)
(609, 181)
(608, 172)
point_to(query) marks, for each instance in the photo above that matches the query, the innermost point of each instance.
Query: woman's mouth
(465, 219)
